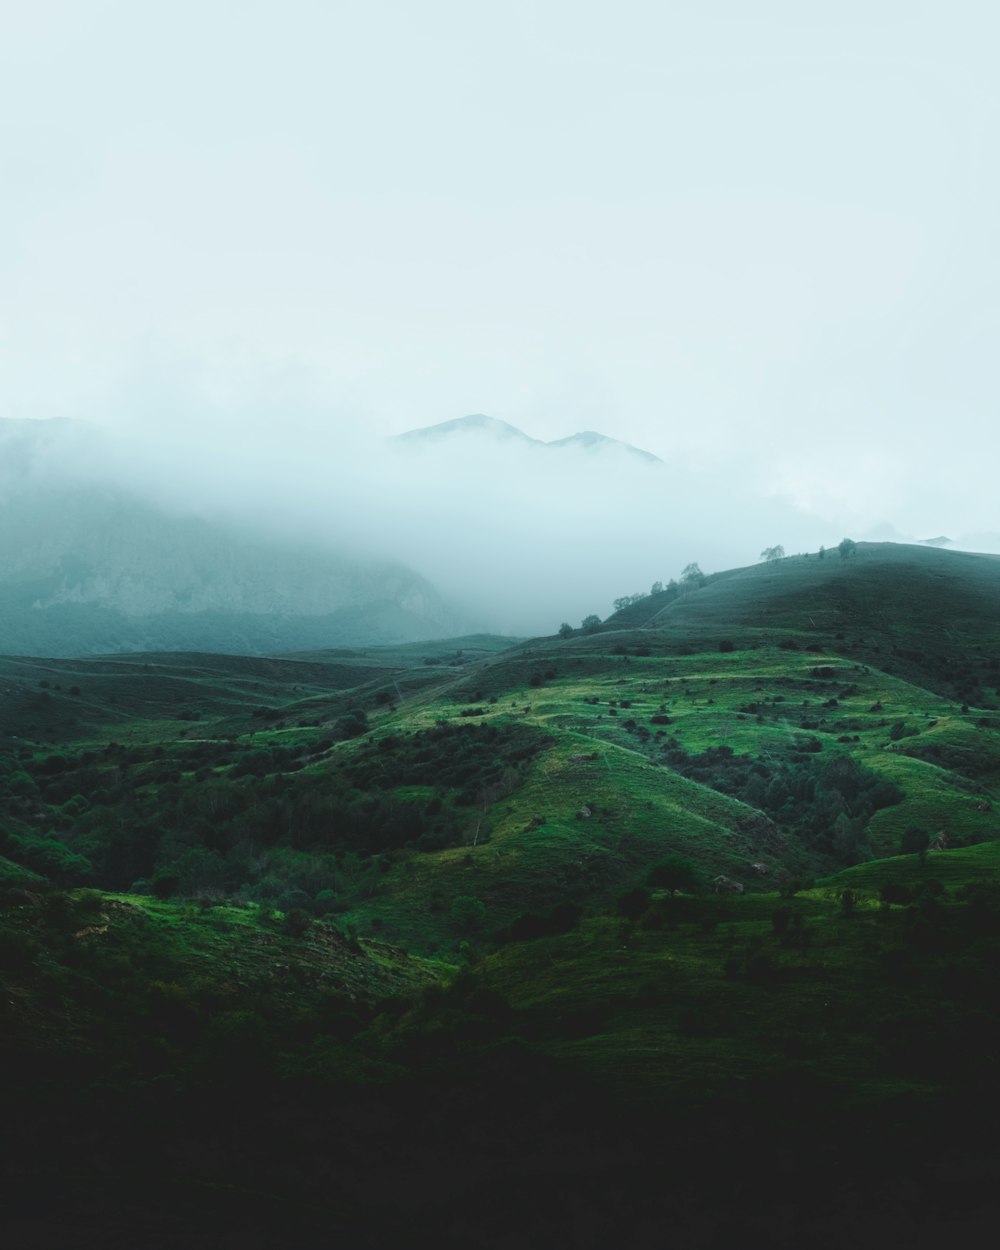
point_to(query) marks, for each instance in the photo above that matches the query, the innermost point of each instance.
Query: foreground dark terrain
(676, 930)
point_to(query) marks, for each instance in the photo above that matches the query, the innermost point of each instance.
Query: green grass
(966, 866)
(704, 1000)
(537, 848)
(595, 696)
(824, 1007)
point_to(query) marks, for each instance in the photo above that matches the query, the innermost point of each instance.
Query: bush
(674, 873)
(895, 892)
(633, 903)
(914, 841)
(325, 902)
(294, 900)
(164, 885)
(297, 922)
(468, 914)
(352, 725)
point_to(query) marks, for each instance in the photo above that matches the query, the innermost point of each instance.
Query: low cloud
(518, 535)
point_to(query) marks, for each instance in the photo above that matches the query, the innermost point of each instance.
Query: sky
(758, 240)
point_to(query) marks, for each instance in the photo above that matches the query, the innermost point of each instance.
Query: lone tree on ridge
(847, 547)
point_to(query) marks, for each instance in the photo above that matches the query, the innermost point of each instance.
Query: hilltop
(914, 611)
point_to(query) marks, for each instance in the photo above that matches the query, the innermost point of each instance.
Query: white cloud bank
(758, 240)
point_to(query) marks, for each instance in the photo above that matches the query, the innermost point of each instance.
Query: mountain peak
(592, 439)
(476, 422)
(479, 423)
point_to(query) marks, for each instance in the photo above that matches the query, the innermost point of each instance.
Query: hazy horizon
(257, 240)
(517, 536)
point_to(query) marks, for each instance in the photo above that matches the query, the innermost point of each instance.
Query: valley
(656, 895)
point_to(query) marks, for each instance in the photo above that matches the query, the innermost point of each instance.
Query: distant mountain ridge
(88, 567)
(478, 424)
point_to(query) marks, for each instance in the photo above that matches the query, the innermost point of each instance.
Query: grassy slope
(885, 596)
(702, 1003)
(136, 695)
(712, 1002)
(596, 695)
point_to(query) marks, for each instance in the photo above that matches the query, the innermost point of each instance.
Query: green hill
(917, 611)
(712, 884)
(738, 727)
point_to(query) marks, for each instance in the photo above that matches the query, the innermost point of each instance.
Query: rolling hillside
(712, 884)
(557, 770)
(911, 610)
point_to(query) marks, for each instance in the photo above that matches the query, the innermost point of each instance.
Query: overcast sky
(739, 233)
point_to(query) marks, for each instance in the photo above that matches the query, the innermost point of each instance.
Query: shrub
(914, 841)
(468, 914)
(325, 902)
(164, 885)
(293, 900)
(633, 903)
(297, 922)
(674, 873)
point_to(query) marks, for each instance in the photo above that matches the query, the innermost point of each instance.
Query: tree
(351, 725)
(633, 903)
(164, 884)
(674, 873)
(773, 553)
(591, 624)
(914, 841)
(297, 922)
(566, 630)
(847, 547)
(468, 913)
(626, 601)
(894, 892)
(692, 576)
(656, 588)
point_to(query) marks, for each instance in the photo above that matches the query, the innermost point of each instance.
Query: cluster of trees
(847, 548)
(691, 579)
(825, 799)
(228, 818)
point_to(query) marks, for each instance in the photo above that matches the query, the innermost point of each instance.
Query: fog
(518, 535)
(254, 241)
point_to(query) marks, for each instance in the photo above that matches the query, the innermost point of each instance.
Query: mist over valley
(113, 540)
